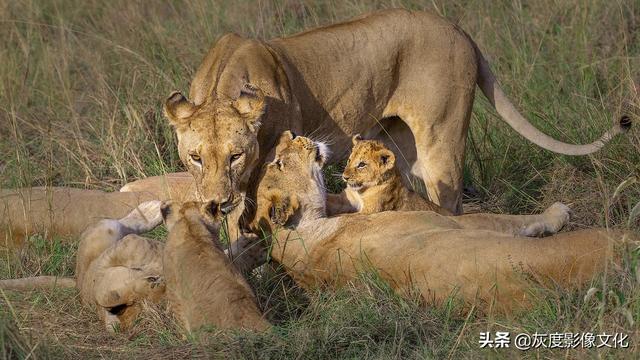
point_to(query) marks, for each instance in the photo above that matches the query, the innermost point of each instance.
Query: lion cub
(374, 184)
(203, 287)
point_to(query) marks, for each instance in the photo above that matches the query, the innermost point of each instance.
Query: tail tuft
(625, 123)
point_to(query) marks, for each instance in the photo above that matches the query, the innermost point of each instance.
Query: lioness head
(217, 142)
(369, 164)
(292, 181)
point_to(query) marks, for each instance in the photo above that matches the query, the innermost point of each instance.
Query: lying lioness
(203, 287)
(115, 268)
(57, 211)
(374, 184)
(475, 255)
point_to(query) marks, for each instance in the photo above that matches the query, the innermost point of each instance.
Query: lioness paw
(552, 220)
(558, 213)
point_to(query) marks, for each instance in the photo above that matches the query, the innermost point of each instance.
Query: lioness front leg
(547, 223)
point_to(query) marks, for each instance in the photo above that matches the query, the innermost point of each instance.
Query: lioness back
(203, 287)
(374, 183)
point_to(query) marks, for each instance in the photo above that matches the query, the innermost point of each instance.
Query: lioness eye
(235, 157)
(196, 159)
(361, 165)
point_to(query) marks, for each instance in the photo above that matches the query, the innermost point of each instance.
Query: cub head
(192, 212)
(292, 182)
(218, 143)
(125, 275)
(370, 164)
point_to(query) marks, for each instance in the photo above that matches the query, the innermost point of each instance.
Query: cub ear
(285, 138)
(282, 208)
(251, 104)
(178, 109)
(387, 158)
(356, 138)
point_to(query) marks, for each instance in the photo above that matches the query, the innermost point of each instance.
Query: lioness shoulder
(374, 183)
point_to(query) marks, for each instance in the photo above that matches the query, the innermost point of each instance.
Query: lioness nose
(345, 178)
(227, 206)
(224, 208)
(212, 208)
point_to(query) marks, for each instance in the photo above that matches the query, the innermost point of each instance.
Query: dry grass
(81, 82)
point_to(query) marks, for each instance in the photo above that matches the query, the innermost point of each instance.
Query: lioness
(203, 287)
(59, 211)
(412, 73)
(115, 268)
(374, 184)
(475, 255)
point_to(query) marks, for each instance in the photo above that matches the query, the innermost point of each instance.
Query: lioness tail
(38, 282)
(492, 90)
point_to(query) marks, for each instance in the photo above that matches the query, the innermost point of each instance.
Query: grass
(81, 85)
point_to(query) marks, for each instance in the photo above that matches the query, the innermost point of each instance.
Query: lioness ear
(178, 109)
(356, 138)
(251, 104)
(387, 158)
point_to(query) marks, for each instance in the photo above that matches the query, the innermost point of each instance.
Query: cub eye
(196, 159)
(361, 165)
(235, 157)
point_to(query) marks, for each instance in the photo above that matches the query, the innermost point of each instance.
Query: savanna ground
(81, 85)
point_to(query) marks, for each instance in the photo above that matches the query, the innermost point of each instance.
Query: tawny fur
(203, 287)
(476, 257)
(413, 72)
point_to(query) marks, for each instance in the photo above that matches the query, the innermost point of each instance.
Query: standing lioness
(413, 72)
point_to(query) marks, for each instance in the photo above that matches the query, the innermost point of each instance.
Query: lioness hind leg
(439, 120)
(547, 223)
(440, 165)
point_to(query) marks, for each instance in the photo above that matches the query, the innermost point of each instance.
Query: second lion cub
(203, 287)
(374, 184)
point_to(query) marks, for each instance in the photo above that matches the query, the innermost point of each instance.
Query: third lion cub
(374, 184)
